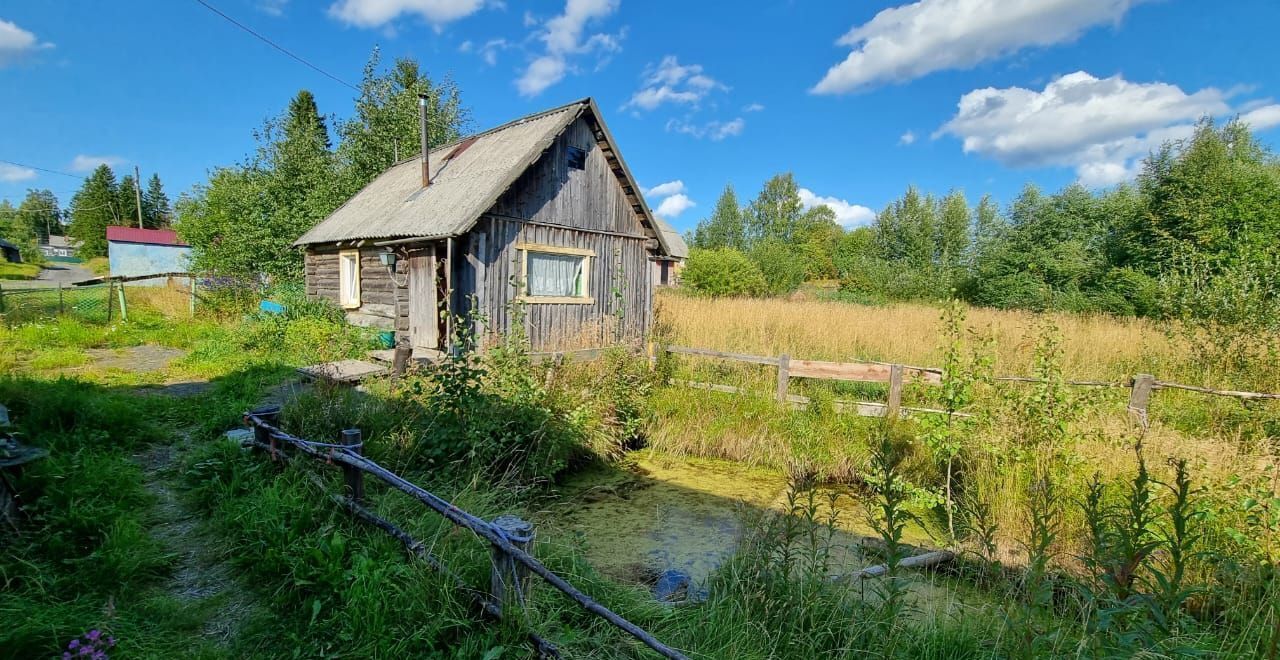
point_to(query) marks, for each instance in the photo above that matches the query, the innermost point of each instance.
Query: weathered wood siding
(590, 199)
(383, 304)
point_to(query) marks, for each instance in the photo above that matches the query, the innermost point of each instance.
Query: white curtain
(349, 279)
(553, 274)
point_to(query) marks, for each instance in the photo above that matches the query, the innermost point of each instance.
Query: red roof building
(144, 236)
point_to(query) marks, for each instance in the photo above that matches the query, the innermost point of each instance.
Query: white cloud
(1262, 118)
(272, 7)
(563, 37)
(753, 107)
(85, 163)
(848, 215)
(1101, 127)
(674, 205)
(16, 43)
(14, 173)
(665, 189)
(670, 81)
(713, 130)
(910, 41)
(488, 51)
(376, 13)
(907, 138)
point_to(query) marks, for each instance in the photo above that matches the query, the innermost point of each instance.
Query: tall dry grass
(1097, 347)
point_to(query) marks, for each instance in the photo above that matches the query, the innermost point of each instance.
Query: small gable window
(349, 279)
(577, 158)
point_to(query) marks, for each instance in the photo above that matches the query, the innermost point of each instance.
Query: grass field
(143, 503)
(12, 271)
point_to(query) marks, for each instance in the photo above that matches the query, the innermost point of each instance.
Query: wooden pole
(353, 477)
(62, 307)
(1140, 397)
(192, 279)
(137, 192)
(894, 408)
(784, 376)
(400, 359)
(508, 581)
(124, 314)
(110, 294)
(261, 435)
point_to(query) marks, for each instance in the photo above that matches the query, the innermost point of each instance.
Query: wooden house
(537, 222)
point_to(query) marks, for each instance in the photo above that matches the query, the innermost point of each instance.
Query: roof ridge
(586, 101)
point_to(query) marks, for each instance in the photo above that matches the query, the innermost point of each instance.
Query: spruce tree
(127, 202)
(94, 207)
(156, 210)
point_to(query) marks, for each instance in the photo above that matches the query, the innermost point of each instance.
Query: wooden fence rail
(508, 538)
(1141, 386)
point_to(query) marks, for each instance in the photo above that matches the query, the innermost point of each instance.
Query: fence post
(270, 415)
(2, 309)
(111, 290)
(124, 315)
(353, 476)
(193, 295)
(400, 359)
(1140, 397)
(784, 376)
(62, 308)
(894, 407)
(506, 575)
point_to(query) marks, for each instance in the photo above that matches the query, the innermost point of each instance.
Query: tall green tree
(724, 228)
(41, 212)
(93, 207)
(303, 116)
(155, 204)
(953, 234)
(385, 123)
(776, 211)
(127, 202)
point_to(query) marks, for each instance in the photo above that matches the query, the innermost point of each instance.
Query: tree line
(1204, 212)
(100, 201)
(243, 220)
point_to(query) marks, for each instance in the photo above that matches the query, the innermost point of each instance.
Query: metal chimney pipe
(422, 129)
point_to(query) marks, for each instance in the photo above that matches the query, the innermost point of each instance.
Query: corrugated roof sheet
(676, 247)
(394, 205)
(148, 236)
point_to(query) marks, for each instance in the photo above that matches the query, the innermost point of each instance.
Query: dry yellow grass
(1096, 347)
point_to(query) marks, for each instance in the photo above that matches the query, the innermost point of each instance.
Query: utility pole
(137, 192)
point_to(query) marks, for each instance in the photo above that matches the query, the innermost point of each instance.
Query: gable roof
(120, 234)
(467, 177)
(676, 247)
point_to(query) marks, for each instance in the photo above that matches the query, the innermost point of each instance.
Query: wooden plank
(737, 357)
(867, 372)
(343, 371)
(424, 331)
(1140, 396)
(894, 405)
(860, 408)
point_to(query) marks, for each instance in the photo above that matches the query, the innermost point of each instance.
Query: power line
(276, 46)
(42, 169)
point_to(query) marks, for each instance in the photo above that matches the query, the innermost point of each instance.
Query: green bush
(782, 266)
(723, 272)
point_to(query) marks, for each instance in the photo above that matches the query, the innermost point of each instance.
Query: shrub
(782, 266)
(723, 272)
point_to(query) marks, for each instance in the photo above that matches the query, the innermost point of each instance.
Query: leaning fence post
(506, 574)
(352, 475)
(1140, 397)
(784, 376)
(124, 315)
(894, 407)
(270, 415)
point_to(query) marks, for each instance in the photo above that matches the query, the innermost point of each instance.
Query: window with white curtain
(349, 278)
(554, 274)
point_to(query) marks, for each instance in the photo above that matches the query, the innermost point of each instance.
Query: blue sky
(858, 99)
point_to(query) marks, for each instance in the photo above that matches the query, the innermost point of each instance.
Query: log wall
(383, 304)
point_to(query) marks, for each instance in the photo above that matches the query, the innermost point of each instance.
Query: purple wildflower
(75, 644)
(66, 655)
(94, 635)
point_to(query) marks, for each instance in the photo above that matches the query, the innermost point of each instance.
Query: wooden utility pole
(137, 192)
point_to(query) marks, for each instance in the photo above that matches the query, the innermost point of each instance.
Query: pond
(659, 513)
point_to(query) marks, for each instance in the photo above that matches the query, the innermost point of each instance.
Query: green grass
(12, 271)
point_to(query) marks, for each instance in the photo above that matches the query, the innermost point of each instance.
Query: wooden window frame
(587, 256)
(342, 290)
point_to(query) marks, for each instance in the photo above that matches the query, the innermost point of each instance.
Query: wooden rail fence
(510, 538)
(1141, 386)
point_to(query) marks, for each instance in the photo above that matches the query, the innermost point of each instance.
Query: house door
(424, 326)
